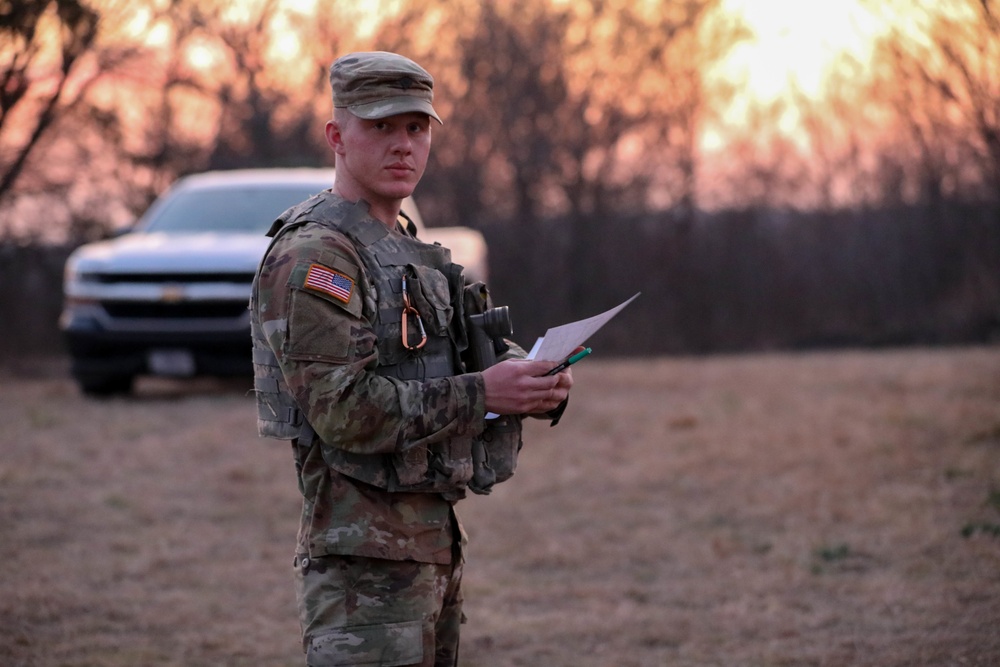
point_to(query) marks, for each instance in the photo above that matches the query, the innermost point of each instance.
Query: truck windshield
(249, 209)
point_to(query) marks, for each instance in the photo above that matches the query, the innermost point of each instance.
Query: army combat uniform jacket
(376, 409)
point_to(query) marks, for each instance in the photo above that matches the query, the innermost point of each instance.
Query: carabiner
(409, 310)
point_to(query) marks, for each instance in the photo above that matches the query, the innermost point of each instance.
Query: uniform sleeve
(318, 326)
(514, 351)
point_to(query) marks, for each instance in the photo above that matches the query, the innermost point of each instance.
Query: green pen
(569, 362)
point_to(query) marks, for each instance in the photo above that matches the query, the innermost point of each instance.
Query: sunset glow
(796, 42)
(793, 47)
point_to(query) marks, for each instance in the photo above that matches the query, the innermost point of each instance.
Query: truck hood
(140, 252)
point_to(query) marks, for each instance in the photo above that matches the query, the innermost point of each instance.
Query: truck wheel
(105, 385)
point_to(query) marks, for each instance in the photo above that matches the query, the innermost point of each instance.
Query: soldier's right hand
(518, 387)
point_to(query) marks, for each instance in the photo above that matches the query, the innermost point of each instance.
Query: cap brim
(394, 106)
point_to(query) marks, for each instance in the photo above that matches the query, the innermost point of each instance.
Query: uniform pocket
(431, 296)
(317, 330)
(500, 444)
(388, 645)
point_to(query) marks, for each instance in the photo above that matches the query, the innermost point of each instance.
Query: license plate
(171, 362)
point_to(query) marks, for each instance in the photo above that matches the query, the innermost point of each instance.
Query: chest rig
(403, 274)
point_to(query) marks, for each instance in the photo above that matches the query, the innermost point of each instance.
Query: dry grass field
(818, 509)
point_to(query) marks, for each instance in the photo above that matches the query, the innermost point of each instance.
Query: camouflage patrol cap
(378, 84)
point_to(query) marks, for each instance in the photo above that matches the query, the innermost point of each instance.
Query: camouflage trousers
(380, 613)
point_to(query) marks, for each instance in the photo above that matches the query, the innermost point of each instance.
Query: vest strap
(267, 384)
(264, 356)
(364, 234)
(420, 368)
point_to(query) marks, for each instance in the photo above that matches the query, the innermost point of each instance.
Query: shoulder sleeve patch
(328, 281)
(332, 278)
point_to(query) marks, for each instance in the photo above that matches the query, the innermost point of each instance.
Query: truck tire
(105, 385)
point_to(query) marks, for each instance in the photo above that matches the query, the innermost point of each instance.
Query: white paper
(559, 342)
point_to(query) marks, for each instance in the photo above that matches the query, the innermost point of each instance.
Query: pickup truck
(169, 297)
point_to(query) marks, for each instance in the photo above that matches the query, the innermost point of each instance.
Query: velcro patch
(328, 281)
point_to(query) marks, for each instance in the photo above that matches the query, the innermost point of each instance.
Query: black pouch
(494, 453)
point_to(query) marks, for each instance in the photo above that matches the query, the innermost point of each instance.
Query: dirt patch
(818, 509)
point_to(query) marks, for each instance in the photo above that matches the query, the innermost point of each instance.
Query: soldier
(361, 338)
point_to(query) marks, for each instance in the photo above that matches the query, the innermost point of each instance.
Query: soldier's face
(380, 160)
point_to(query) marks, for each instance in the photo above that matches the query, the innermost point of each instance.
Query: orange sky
(794, 45)
(796, 41)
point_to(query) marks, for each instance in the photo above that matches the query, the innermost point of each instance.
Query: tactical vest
(435, 287)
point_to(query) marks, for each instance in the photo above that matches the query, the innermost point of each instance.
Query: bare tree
(937, 73)
(157, 91)
(581, 111)
(246, 88)
(34, 77)
(572, 106)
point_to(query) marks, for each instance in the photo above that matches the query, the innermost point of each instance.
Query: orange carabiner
(409, 310)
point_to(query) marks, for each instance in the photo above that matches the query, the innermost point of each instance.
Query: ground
(817, 509)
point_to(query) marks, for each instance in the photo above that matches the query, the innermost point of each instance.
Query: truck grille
(180, 310)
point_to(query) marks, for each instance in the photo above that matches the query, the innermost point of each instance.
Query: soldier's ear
(334, 137)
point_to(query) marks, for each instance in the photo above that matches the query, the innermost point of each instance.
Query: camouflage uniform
(379, 554)
(387, 435)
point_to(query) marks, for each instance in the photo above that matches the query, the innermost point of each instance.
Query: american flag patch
(329, 282)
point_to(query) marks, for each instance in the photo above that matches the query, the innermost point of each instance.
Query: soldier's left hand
(517, 387)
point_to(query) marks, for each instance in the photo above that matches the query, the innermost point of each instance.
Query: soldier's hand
(517, 387)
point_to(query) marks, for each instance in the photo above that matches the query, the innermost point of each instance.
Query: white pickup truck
(169, 297)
